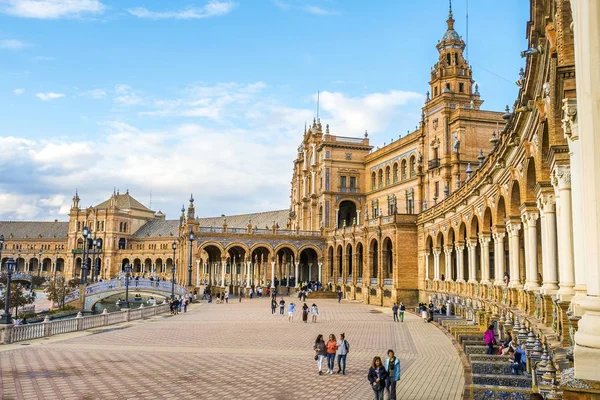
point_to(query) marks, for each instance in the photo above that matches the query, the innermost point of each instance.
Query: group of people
(330, 349)
(398, 311)
(383, 376)
(517, 353)
(177, 303)
(313, 310)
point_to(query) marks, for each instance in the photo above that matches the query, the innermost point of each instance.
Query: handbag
(316, 357)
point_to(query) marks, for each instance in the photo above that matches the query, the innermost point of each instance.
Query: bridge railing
(116, 283)
(18, 333)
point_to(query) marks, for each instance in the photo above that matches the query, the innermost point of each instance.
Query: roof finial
(191, 198)
(450, 20)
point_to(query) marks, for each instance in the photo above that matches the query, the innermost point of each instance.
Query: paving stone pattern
(231, 351)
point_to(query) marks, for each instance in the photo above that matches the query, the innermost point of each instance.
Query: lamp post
(10, 268)
(190, 259)
(84, 265)
(1, 247)
(55, 261)
(174, 245)
(127, 272)
(40, 263)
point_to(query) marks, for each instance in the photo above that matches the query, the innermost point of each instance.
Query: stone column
(223, 266)
(436, 263)
(484, 240)
(273, 274)
(513, 228)
(531, 265)
(499, 258)
(248, 266)
(448, 262)
(297, 279)
(310, 271)
(546, 205)
(472, 250)
(586, 15)
(264, 265)
(561, 179)
(460, 266)
(320, 272)
(571, 130)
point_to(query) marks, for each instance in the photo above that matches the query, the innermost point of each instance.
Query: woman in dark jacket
(320, 350)
(304, 313)
(377, 377)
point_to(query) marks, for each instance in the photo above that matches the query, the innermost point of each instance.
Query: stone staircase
(322, 295)
(492, 377)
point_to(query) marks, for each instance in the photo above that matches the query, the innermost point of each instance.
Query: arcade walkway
(236, 351)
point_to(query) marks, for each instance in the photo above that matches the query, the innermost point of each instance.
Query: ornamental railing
(19, 333)
(257, 231)
(387, 282)
(374, 281)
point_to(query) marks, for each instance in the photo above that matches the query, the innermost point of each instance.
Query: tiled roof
(260, 220)
(30, 229)
(156, 228)
(162, 228)
(124, 201)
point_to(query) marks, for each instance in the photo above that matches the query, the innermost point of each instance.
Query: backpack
(347, 346)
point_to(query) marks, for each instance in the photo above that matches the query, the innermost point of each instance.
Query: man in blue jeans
(343, 349)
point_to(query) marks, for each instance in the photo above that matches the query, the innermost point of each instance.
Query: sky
(167, 98)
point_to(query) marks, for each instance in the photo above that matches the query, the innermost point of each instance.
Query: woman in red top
(332, 347)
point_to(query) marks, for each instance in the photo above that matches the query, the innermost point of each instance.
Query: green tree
(19, 297)
(58, 289)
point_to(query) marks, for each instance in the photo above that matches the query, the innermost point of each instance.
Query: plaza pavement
(231, 351)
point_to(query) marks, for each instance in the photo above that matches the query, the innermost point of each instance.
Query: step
(488, 358)
(499, 392)
(322, 295)
(466, 343)
(520, 381)
(491, 367)
(475, 349)
(469, 336)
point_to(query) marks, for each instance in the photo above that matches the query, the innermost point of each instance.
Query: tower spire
(450, 20)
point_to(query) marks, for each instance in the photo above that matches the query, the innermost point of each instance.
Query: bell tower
(451, 76)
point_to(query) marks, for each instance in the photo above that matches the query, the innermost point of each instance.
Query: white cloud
(13, 44)
(47, 96)
(126, 96)
(373, 112)
(96, 93)
(212, 9)
(18, 91)
(51, 9)
(316, 10)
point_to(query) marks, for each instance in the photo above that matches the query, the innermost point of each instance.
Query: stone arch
(412, 166)
(285, 256)
(347, 213)
(474, 227)
(450, 236)
(462, 231)
(380, 178)
(387, 257)
(348, 252)
(429, 245)
(60, 264)
(360, 256)
(137, 265)
(439, 239)
(307, 246)
(330, 261)
(403, 166)
(237, 244)
(530, 181)
(374, 257)
(147, 266)
(215, 245)
(500, 214)
(308, 260)
(486, 223)
(339, 253)
(395, 172)
(264, 245)
(387, 175)
(158, 265)
(373, 180)
(287, 246)
(515, 199)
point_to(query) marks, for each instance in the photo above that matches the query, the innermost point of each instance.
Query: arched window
(387, 175)
(395, 173)
(403, 170)
(412, 167)
(373, 181)
(380, 179)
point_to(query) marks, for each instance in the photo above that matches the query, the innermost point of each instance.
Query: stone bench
(465, 329)
(488, 358)
(499, 392)
(520, 381)
(475, 349)
(469, 336)
(491, 367)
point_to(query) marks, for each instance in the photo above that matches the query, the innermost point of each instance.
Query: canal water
(135, 301)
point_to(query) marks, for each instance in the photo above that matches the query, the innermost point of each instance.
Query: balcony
(387, 282)
(347, 189)
(374, 281)
(433, 163)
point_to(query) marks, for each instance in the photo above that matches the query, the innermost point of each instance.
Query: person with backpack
(392, 366)
(343, 350)
(377, 376)
(402, 310)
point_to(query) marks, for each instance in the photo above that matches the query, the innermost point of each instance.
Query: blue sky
(210, 97)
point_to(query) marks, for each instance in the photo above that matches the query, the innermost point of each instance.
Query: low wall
(18, 333)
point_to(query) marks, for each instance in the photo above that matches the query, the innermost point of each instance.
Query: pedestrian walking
(291, 311)
(185, 305)
(395, 312)
(377, 376)
(320, 350)
(339, 295)
(219, 298)
(179, 304)
(305, 313)
(273, 306)
(343, 350)
(227, 297)
(332, 347)
(402, 310)
(281, 306)
(392, 366)
(314, 312)
(171, 307)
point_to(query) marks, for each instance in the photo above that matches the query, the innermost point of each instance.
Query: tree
(19, 297)
(59, 288)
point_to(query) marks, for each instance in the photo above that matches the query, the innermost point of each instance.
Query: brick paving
(231, 351)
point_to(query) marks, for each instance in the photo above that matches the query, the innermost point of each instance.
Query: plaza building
(492, 212)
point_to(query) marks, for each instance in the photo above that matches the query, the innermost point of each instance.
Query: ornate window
(387, 175)
(395, 172)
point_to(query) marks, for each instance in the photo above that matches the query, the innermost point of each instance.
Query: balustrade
(387, 282)
(374, 281)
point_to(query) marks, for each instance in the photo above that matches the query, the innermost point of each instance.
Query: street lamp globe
(85, 231)
(10, 266)
(127, 269)
(174, 245)
(1, 241)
